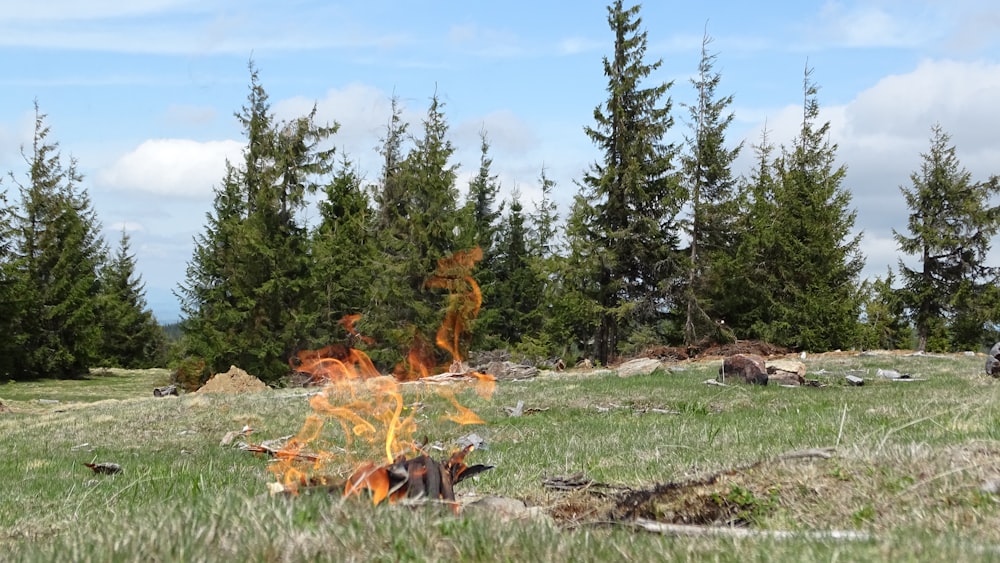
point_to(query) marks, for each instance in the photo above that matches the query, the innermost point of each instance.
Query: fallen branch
(684, 530)
(276, 452)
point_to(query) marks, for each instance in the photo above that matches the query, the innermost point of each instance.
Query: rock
(891, 374)
(747, 368)
(507, 371)
(639, 366)
(993, 361)
(786, 372)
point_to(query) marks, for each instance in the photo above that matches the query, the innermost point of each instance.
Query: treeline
(664, 243)
(67, 302)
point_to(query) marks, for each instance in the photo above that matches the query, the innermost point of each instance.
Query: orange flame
(464, 297)
(370, 406)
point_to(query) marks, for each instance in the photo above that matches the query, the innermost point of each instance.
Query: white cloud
(867, 24)
(179, 168)
(506, 132)
(883, 131)
(92, 9)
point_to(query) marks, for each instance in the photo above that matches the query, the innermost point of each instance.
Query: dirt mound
(233, 381)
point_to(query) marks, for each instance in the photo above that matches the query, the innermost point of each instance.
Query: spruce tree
(631, 198)
(131, 336)
(11, 290)
(59, 251)
(341, 248)
(482, 225)
(518, 293)
(389, 195)
(247, 280)
(884, 325)
(950, 226)
(744, 277)
(711, 190)
(815, 258)
(420, 223)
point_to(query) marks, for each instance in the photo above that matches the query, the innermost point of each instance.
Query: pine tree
(711, 190)
(342, 250)
(246, 281)
(518, 293)
(211, 306)
(544, 233)
(545, 252)
(630, 200)
(59, 250)
(950, 226)
(482, 230)
(815, 259)
(420, 223)
(389, 194)
(885, 326)
(131, 336)
(742, 285)
(11, 290)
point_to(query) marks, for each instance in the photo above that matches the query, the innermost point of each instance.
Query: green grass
(910, 462)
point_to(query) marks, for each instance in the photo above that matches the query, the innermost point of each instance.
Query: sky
(143, 93)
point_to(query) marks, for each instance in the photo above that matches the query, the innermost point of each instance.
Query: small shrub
(191, 373)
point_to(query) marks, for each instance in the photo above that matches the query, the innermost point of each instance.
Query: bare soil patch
(235, 380)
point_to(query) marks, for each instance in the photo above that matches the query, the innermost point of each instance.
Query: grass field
(913, 472)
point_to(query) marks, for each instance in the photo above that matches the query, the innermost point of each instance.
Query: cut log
(165, 391)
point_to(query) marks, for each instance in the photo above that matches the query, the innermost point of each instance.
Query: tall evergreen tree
(814, 259)
(950, 226)
(518, 294)
(389, 195)
(263, 270)
(10, 291)
(59, 251)
(884, 325)
(131, 336)
(711, 191)
(423, 225)
(745, 276)
(544, 232)
(482, 229)
(342, 252)
(630, 199)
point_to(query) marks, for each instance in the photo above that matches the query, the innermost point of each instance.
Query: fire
(370, 406)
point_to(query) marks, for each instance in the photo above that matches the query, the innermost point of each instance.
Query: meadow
(899, 470)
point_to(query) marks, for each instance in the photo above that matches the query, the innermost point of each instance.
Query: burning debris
(365, 404)
(416, 478)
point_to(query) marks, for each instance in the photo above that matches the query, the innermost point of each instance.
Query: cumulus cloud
(179, 168)
(883, 131)
(362, 111)
(506, 132)
(868, 24)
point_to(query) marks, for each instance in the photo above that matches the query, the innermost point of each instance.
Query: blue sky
(143, 93)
